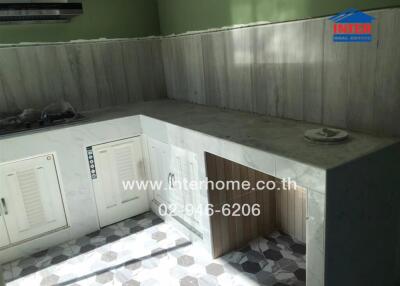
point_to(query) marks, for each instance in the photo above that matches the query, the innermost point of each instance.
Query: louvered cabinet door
(120, 168)
(4, 239)
(31, 198)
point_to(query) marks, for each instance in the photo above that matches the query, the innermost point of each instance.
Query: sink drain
(326, 135)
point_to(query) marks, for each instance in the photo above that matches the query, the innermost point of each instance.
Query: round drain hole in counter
(326, 135)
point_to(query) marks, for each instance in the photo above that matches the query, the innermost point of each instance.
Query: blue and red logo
(352, 26)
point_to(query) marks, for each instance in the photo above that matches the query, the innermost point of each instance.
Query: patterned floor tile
(158, 254)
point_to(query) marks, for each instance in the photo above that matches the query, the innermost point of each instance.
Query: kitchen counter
(277, 136)
(270, 145)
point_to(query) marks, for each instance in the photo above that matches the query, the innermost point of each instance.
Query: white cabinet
(160, 157)
(178, 171)
(30, 198)
(4, 240)
(119, 164)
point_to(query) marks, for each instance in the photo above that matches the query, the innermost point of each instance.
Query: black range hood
(38, 11)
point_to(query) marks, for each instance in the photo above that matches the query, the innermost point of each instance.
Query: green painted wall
(101, 19)
(178, 16)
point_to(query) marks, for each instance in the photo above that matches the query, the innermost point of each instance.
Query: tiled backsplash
(293, 70)
(88, 74)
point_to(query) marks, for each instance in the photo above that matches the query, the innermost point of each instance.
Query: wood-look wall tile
(183, 64)
(29, 63)
(168, 48)
(151, 71)
(239, 222)
(239, 55)
(299, 215)
(110, 73)
(86, 75)
(131, 51)
(77, 74)
(290, 104)
(4, 108)
(278, 204)
(284, 209)
(313, 70)
(387, 82)
(278, 72)
(361, 82)
(48, 71)
(305, 214)
(11, 76)
(335, 79)
(228, 174)
(194, 70)
(215, 71)
(69, 67)
(267, 70)
(291, 211)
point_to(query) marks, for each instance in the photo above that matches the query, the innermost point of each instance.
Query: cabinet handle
(169, 180)
(172, 180)
(3, 201)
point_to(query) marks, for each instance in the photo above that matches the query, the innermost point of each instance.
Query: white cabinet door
(176, 168)
(178, 180)
(160, 161)
(186, 184)
(192, 195)
(31, 198)
(119, 166)
(4, 240)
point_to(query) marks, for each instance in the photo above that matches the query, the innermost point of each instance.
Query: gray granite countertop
(276, 136)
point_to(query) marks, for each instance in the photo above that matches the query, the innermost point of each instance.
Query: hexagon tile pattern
(90, 243)
(159, 255)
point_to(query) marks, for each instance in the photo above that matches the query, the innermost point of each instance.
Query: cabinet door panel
(159, 156)
(31, 192)
(119, 166)
(186, 169)
(4, 240)
(176, 168)
(192, 196)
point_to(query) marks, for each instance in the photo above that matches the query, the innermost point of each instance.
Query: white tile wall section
(315, 236)
(303, 175)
